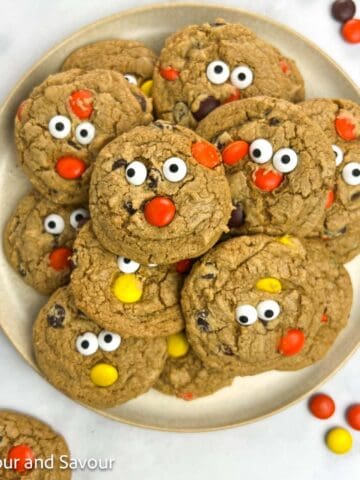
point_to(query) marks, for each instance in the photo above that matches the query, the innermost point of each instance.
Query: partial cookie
(340, 120)
(38, 241)
(256, 303)
(26, 442)
(66, 121)
(122, 295)
(279, 165)
(159, 194)
(129, 57)
(204, 66)
(89, 364)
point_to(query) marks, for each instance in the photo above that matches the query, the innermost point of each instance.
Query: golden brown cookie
(66, 121)
(159, 195)
(204, 66)
(89, 364)
(279, 165)
(123, 296)
(38, 241)
(25, 445)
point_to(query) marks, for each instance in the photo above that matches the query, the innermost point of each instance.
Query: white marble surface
(286, 446)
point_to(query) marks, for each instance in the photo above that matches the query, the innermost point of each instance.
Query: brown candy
(206, 106)
(343, 10)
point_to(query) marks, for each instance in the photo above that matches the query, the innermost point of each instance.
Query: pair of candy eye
(351, 171)
(60, 128)
(174, 170)
(267, 311)
(130, 78)
(218, 72)
(284, 160)
(126, 265)
(88, 343)
(55, 224)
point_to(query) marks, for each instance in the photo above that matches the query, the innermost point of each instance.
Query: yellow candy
(177, 345)
(286, 240)
(339, 440)
(104, 375)
(146, 87)
(269, 284)
(127, 288)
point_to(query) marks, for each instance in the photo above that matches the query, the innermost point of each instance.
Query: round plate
(249, 398)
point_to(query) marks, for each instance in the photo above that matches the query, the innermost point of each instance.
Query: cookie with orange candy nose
(66, 121)
(88, 363)
(340, 120)
(159, 195)
(38, 241)
(279, 164)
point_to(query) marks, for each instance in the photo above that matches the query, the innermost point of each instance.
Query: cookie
(122, 295)
(89, 364)
(25, 440)
(38, 241)
(204, 66)
(340, 121)
(256, 303)
(159, 195)
(185, 375)
(279, 165)
(66, 121)
(129, 57)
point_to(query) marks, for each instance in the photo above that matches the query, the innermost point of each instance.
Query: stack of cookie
(220, 221)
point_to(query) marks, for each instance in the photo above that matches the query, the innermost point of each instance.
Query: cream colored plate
(248, 399)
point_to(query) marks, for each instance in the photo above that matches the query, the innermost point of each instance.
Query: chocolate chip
(22, 270)
(74, 145)
(208, 276)
(203, 325)
(129, 208)
(119, 163)
(237, 217)
(206, 106)
(274, 121)
(343, 10)
(56, 316)
(142, 101)
(355, 196)
(268, 111)
(227, 350)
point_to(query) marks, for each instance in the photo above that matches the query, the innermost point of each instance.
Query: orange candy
(205, 154)
(267, 180)
(187, 396)
(235, 152)
(21, 457)
(159, 211)
(324, 318)
(345, 128)
(330, 199)
(292, 343)
(20, 110)
(70, 168)
(322, 406)
(81, 104)
(184, 266)
(353, 416)
(234, 96)
(60, 258)
(284, 66)
(169, 73)
(351, 30)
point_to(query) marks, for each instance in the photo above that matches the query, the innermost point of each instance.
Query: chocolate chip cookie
(123, 296)
(89, 364)
(340, 120)
(159, 195)
(204, 66)
(38, 241)
(24, 443)
(279, 165)
(66, 121)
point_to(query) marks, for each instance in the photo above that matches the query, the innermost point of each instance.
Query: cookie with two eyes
(279, 164)
(340, 121)
(257, 303)
(158, 194)
(38, 241)
(66, 121)
(89, 364)
(131, 58)
(204, 66)
(24, 440)
(120, 294)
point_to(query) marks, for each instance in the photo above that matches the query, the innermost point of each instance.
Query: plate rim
(109, 19)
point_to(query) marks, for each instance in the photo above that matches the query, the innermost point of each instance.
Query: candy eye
(54, 224)
(242, 77)
(130, 78)
(339, 154)
(174, 169)
(108, 341)
(77, 216)
(85, 133)
(217, 72)
(59, 126)
(351, 173)
(127, 266)
(246, 315)
(261, 150)
(268, 310)
(136, 173)
(87, 344)
(285, 160)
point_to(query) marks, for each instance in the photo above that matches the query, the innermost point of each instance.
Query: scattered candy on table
(353, 416)
(339, 440)
(344, 11)
(322, 406)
